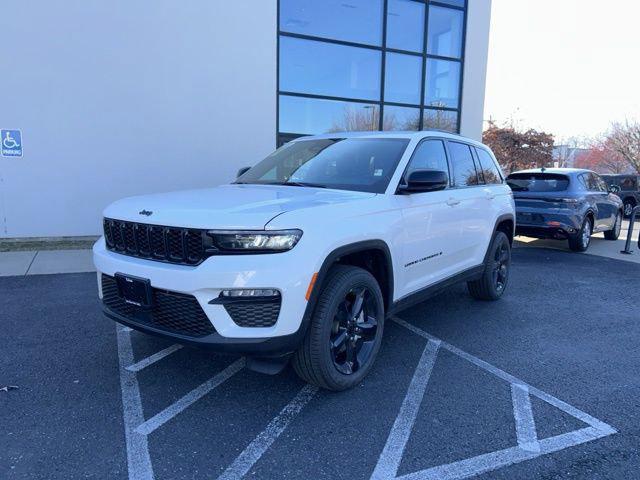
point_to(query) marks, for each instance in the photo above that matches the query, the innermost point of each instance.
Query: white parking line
(193, 396)
(391, 455)
(145, 362)
(250, 455)
(529, 446)
(138, 460)
(523, 414)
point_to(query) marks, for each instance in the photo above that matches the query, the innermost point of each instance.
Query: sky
(568, 67)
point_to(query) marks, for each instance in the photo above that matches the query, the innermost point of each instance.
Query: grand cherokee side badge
(146, 213)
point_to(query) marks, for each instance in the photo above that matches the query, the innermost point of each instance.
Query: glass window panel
(445, 32)
(311, 116)
(401, 118)
(456, 3)
(429, 155)
(403, 76)
(357, 21)
(489, 169)
(442, 83)
(464, 170)
(405, 25)
(440, 120)
(320, 68)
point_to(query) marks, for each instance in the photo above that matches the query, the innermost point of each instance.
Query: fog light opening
(250, 293)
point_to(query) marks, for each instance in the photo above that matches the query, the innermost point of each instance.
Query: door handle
(452, 202)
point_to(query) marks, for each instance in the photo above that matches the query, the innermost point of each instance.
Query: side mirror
(614, 189)
(425, 181)
(242, 171)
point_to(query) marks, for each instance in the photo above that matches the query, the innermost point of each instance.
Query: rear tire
(495, 277)
(581, 242)
(614, 233)
(345, 333)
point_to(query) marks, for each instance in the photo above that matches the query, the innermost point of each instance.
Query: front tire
(495, 278)
(345, 333)
(580, 243)
(614, 233)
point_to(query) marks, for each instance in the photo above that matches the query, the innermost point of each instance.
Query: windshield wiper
(299, 184)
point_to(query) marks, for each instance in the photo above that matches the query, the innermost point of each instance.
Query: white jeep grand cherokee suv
(306, 254)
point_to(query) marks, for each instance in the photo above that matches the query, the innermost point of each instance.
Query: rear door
(470, 215)
(602, 205)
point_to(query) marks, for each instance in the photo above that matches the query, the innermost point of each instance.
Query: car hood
(226, 207)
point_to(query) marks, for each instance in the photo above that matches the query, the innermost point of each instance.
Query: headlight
(255, 241)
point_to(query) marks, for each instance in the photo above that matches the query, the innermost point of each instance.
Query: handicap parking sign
(11, 141)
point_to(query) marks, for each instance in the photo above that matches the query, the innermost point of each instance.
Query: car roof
(558, 171)
(394, 134)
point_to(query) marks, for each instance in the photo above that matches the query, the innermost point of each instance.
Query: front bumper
(205, 282)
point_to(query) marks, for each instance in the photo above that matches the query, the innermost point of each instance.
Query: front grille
(254, 314)
(173, 312)
(166, 244)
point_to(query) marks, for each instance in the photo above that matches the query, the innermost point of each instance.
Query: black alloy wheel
(501, 262)
(354, 329)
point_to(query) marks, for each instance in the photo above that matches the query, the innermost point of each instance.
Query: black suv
(566, 204)
(629, 193)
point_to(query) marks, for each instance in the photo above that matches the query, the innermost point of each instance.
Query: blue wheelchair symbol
(11, 143)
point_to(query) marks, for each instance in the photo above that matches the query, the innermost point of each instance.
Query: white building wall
(475, 68)
(117, 98)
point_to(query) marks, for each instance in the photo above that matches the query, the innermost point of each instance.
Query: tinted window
(599, 182)
(403, 76)
(445, 32)
(320, 68)
(357, 21)
(628, 183)
(464, 170)
(312, 116)
(537, 182)
(489, 170)
(360, 164)
(442, 83)
(405, 25)
(428, 155)
(444, 120)
(401, 118)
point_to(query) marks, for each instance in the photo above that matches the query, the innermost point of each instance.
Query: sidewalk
(45, 262)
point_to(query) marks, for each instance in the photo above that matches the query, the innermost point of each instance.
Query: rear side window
(429, 155)
(464, 170)
(488, 168)
(538, 182)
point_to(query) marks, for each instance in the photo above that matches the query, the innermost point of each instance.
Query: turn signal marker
(311, 284)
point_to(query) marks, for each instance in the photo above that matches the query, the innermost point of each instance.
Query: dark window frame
(381, 103)
(447, 156)
(452, 165)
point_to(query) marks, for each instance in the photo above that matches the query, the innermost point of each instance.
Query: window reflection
(440, 120)
(403, 76)
(358, 21)
(464, 170)
(442, 83)
(401, 118)
(445, 32)
(320, 68)
(405, 25)
(310, 116)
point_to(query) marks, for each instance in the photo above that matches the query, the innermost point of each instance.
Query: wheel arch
(504, 223)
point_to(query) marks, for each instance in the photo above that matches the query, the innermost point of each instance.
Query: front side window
(429, 155)
(464, 169)
(488, 168)
(358, 164)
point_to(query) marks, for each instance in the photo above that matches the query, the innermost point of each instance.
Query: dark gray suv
(629, 190)
(565, 204)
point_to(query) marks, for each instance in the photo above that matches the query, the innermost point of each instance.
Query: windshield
(537, 182)
(359, 164)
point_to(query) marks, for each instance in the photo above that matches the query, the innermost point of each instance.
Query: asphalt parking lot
(541, 385)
